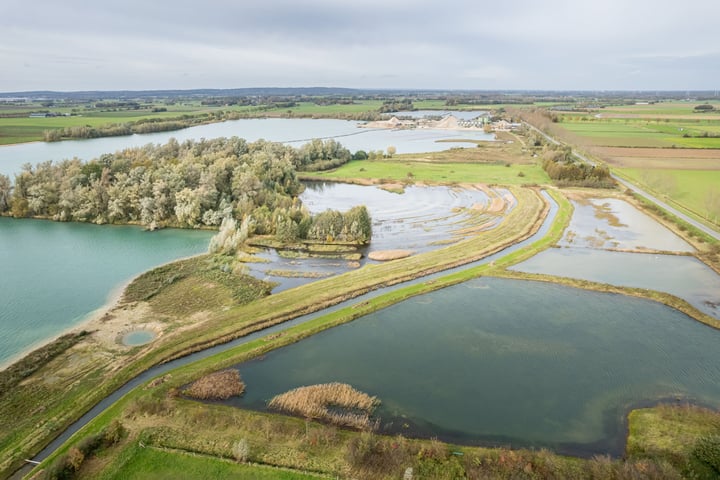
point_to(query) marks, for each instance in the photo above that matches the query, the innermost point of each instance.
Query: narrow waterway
(167, 367)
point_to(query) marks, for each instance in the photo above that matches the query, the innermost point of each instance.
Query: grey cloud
(424, 44)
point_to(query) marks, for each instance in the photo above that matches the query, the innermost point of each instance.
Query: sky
(74, 45)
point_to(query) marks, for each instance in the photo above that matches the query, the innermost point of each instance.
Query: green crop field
(645, 133)
(444, 173)
(662, 108)
(695, 190)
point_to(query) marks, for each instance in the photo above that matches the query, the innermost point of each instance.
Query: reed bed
(217, 386)
(336, 403)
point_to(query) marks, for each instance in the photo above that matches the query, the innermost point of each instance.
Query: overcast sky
(451, 44)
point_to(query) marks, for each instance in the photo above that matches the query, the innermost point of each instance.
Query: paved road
(700, 226)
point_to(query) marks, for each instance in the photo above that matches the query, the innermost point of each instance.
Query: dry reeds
(337, 403)
(217, 386)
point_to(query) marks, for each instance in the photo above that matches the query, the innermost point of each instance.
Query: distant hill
(202, 92)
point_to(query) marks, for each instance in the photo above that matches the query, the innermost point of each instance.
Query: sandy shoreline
(93, 320)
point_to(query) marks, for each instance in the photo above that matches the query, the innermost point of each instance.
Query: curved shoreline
(281, 311)
(264, 341)
(434, 284)
(112, 301)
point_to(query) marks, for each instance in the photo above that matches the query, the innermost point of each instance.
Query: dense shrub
(707, 450)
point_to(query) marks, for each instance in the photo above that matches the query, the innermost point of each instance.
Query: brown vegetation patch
(672, 158)
(393, 187)
(386, 255)
(217, 386)
(337, 403)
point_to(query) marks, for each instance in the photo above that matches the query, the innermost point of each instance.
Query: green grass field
(150, 463)
(644, 133)
(25, 129)
(692, 189)
(662, 108)
(400, 171)
(21, 129)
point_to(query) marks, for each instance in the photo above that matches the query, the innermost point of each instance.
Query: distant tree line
(191, 184)
(396, 105)
(145, 125)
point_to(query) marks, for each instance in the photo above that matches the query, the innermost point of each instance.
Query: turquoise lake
(506, 362)
(52, 275)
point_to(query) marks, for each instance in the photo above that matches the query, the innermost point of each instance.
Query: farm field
(659, 158)
(697, 191)
(16, 125)
(668, 148)
(673, 108)
(645, 133)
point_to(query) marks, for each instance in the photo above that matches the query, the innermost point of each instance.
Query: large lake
(53, 275)
(290, 131)
(506, 362)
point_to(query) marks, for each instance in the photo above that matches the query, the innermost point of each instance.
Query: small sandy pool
(138, 337)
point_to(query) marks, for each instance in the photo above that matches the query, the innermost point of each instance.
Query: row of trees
(190, 184)
(145, 125)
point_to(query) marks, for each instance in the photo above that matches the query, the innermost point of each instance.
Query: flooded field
(600, 226)
(418, 220)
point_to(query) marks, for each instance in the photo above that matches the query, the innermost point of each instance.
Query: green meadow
(645, 133)
(695, 190)
(401, 171)
(151, 463)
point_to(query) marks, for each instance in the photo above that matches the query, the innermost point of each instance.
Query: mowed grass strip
(155, 464)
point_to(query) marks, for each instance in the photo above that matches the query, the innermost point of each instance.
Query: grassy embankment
(61, 390)
(165, 421)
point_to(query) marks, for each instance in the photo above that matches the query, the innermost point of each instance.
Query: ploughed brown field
(666, 158)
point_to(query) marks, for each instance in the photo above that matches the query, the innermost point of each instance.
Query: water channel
(167, 367)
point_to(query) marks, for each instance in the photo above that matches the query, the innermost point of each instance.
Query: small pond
(138, 337)
(507, 362)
